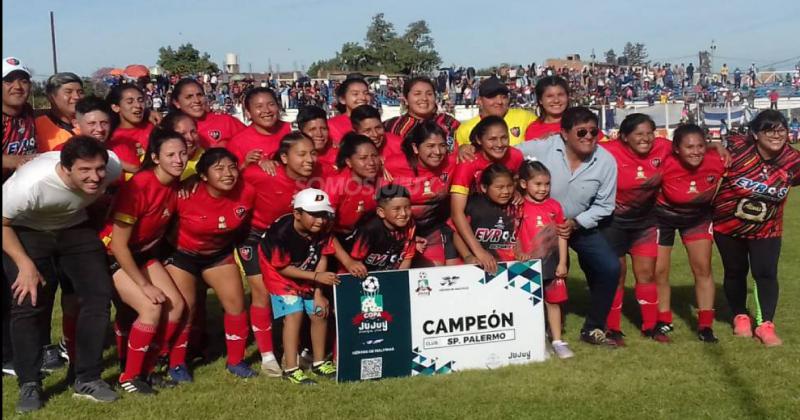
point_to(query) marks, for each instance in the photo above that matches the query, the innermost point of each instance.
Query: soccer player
(552, 99)
(215, 130)
(209, 223)
(293, 255)
(63, 92)
(419, 95)
(44, 220)
(183, 124)
(367, 122)
(312, 121)
(351, 94)
(261, 139)
(141, 215)
(19, 142)
(131, 127)
(691, 175)
(748, 220)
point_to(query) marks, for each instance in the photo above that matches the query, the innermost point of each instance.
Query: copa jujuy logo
(372, 317)
(423, 287)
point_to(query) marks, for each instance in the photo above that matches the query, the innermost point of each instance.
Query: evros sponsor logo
(469, 323)
(762, 188)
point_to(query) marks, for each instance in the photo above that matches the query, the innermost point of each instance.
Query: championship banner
(432, 321)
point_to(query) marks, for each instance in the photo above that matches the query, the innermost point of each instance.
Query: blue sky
(92, 34)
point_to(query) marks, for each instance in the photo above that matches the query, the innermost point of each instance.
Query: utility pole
(53, 40)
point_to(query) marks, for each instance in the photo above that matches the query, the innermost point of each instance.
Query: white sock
(554, 342)
(267, 357)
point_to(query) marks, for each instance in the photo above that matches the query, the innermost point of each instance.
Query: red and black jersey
(338, 126)
(146, 204)
(430, 199)
(274, 194)
(537, 234)
(468, 174)
(495, 226)
(216, 130)
(752, 194)
(283, 246)
(351, 200)
(638, 181)
(403, 125)
(138, 138)
(207, 225)
(18, 135)
(686, 193)
(250, 139)
(380, 248)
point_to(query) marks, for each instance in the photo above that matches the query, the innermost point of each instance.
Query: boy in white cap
(294, 263)
(19, 143)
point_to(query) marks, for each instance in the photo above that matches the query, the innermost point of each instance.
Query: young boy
(385, 241)
(294, 262)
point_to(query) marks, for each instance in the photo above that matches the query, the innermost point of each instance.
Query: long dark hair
(543, 84)
(287, 142)
(178, 88)
(483, 126)
(158, 137)
(347, 148)
(421, 132)
(342, 90)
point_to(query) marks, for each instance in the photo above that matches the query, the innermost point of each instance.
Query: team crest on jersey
(710, 179)
(240, 211)
(515, 131)
(246, 252)
(656, 162)
(215, 134)
(444, 176)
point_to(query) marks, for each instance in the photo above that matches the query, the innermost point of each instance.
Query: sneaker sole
(272, 374)
(9, 372)
(91, 398)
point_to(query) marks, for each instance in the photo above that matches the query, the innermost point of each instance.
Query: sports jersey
(137, 137)
(429, 189)
(468, 174)
(750, 200)
(127, 152)
(494, 225)
(217, 128)
(327, 160)
(403, 125)
(638, 181)
(146, 204)
(351, 200)
(250, 139)
(537, 234)
(516, 119)
(51, 131)
(274, 194)
(207, 224)
(379, 248)
(338, 126)
(281, 247)
(686, 193)
(391, 147)
(18, 134)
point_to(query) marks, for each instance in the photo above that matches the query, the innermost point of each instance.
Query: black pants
(78, 253)
(760, 256)
(8, 355)
(601, 266)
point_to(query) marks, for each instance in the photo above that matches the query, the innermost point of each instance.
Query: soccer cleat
(664, 328)
(656, 335)
(8, 368)
(271, 368)
(62, 349)
(161, 381)
(97, 390)
(51, 360)
(562, 350)
(241, 370)
(180, 374)
(742, 326)
(766, 333)
(298, 377)
(30, 397)
(326, 369)
(596, 337)
(706, 335)
(617, 337)
(137, 386)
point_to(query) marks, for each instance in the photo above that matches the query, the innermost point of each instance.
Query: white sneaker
(271, 368)
(562, 350)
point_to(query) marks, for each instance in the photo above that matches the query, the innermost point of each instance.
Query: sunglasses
(583, 132)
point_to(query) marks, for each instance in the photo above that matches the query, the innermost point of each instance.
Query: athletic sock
(235, 336)
(261, 321)
(69, 324)
(177, 355)
(614, 320)
(160, 345)
(647, 296)
(121, 333)
(665, 317)
(141, 337)
(705, 318)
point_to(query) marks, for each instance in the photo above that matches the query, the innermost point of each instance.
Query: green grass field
(737, 378)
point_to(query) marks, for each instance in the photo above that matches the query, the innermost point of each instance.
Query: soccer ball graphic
(370, 286)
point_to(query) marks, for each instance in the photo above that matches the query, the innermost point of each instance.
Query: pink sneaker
(766, 333)
(742, 326)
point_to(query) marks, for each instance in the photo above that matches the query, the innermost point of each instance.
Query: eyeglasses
(775, 133)
(583, 132)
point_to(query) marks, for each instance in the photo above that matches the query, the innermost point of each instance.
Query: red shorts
(555, 291)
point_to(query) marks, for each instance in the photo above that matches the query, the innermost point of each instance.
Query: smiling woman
(214, 129)
(261, 139)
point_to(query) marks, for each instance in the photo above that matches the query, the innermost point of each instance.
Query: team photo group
(121, 206)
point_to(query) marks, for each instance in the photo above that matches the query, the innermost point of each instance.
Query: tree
(185, 60)
(635, 54)
(611, 56)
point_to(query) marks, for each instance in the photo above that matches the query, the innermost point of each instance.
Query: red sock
(69, 324)
(177, 356)
(665, 317)
(614, 320)
(141, 337)
(705, 318)
(160, 344)
(235, 336)
(261, 319)
(647, 295)
(121, 332)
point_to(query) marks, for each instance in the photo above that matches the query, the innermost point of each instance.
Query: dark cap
(492, 87)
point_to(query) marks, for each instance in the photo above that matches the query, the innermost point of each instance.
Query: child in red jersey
(261, 139)
(691, 177)
(352, 93)
(215, 130)
(537, 238)
(293, 255)
(209, 223)
(385, 240)
(486, 230)
(145, 205)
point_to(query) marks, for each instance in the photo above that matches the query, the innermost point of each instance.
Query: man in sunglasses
(584, 181)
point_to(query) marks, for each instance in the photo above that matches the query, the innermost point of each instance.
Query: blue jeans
(601, 266)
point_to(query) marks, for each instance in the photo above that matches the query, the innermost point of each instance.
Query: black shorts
(700, 230)
(640, 242)
(196, 264)
(248, 252)
(143, 260)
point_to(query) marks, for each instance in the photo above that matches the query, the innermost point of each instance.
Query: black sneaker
(51, 359)
(8, 368)
(62, 349)
(137, 386)
(97, 390)
(30, 397)
(617, 337)
(161, 381)
(656, 335)
(596, 337)
(665, 328)
(706, 335)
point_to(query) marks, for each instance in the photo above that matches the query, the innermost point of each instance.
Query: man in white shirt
(46, 231)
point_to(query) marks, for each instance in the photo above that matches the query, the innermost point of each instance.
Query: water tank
(231, 63)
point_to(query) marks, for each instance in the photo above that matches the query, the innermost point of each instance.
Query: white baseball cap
(312, 200)
(12, 64)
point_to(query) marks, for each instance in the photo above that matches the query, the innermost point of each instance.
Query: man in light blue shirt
(584, 181)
